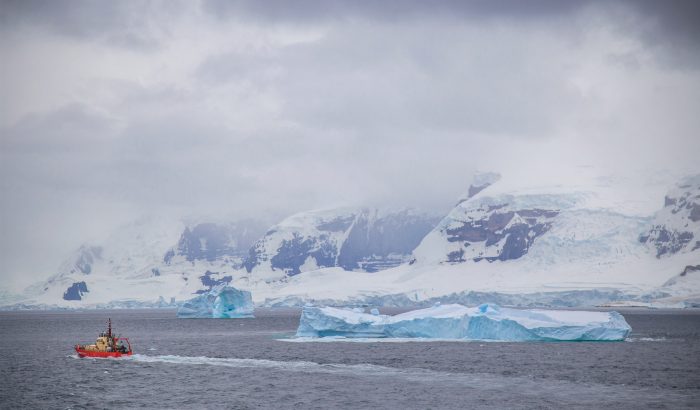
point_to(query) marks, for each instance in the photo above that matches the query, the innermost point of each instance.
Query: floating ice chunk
(219, 303)
(484, 322)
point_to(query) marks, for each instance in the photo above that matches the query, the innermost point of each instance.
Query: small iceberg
(222, 302)
(485, 322)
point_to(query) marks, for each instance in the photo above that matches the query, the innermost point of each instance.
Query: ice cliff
(221, 302)
(485, 322)
(351, 238)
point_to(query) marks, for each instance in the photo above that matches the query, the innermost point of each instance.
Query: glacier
(222, 302)
(454, 321)
(521, 240)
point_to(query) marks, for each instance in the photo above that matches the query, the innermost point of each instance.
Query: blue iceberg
(221, 302)
(485, 322)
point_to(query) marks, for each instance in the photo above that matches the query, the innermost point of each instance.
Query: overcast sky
(110, 110)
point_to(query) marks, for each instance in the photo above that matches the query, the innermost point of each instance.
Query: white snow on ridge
(584, 236)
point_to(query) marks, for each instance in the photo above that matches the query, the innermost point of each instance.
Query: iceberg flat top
(528, 318)
(453, 321)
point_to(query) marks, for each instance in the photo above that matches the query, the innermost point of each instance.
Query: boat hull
(90, 353)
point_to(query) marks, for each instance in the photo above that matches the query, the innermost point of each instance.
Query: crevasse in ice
(219, 303)
(485, 322)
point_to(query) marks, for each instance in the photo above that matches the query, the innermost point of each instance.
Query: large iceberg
(485, 322)
(219, 303)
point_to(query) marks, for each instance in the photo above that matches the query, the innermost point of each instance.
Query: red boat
(107, 345)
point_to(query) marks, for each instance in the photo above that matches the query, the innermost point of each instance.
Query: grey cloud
(360, 76)
(73, 127)
(134, 24)
(310, 11)
(384, 103)
(669, 28)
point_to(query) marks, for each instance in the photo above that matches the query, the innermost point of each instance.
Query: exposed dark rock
(75, 291)
(665, 241)
(473, 190)
(325, 254)
(210, 283)
(169, 255)
(370, 243)
(292, 254)
(519, 239)
(456, 256)
(256, 254)
(682, 208)
(204, 242)
(210, 242)
(155, 271)
(479, 183)
(690, 268)
(694, 212)
(519, 236)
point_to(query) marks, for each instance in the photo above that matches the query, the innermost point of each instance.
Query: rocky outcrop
(690, 268)
(480, 181)
(666, 241)
(294, 252)
(211, 242)
(676, 228)
(75, 291)
(209, 280)
(494, 232)
(350, 238)
(691, 273)
(378, 242)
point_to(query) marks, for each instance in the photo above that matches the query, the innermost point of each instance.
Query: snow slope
(144, 261)
(581, 240)
(518, 240)
(351, 238)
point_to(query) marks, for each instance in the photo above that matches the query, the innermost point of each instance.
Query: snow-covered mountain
(510, 239)
(676, 228)
(519, 242)
(153, 254)
(129, 253)
(480, 181)
(350, 238)
(158, 259)
(228, 243)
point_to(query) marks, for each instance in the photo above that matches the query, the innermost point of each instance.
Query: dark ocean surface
(252, 363)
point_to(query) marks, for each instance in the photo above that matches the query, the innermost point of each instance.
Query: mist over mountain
(519, 241)
(202, 125)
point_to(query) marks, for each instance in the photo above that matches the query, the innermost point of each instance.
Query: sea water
(257, 363)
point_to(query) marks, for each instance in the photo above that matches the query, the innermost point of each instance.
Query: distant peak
(479, 182)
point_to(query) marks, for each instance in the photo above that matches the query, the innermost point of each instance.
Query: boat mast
(109, 328)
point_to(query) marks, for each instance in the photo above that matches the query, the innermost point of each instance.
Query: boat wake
(362, 369)
(302, 366)
(645, 339)
(565, 391)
